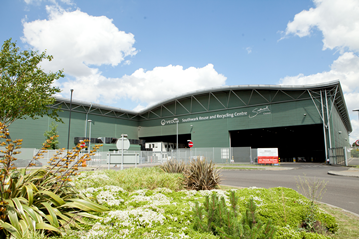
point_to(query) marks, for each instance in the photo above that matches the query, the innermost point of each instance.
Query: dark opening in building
(304, 143)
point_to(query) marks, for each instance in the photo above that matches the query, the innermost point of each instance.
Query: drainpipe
(328, 120)
(324, 126)
(87, 114)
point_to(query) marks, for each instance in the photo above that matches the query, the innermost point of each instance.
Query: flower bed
(167, 213)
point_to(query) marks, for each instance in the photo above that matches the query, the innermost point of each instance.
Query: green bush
(215, 217)
(40, 200)
(329, 222)
(173, 166)
(201, 175)
(131, 179)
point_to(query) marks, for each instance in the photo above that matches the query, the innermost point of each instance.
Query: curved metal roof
(245, 87)
(130, 114)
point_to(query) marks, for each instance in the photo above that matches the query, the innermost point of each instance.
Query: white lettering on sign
(164, 122)
(215, 116)
(256, 111)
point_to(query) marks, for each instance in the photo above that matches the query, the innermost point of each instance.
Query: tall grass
(132, 179)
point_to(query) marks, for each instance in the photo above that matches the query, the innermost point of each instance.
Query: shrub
(173, 166)
(42, 199)
(314, 189)
(201, 175)
(226, 223)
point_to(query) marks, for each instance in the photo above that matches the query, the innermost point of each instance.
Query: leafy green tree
(26, 90)
(52, 136)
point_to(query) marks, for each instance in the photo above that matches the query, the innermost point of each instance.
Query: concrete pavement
(351, 172)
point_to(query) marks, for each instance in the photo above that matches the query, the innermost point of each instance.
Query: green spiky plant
(225, 222)
(201, 175)
(42, 200)
(173, 166)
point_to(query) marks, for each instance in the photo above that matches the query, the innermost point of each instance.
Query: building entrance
(304, 143)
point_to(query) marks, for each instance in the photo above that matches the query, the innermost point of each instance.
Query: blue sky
(131, 54)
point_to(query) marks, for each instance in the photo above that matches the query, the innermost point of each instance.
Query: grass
(348, 223)
(133, 179)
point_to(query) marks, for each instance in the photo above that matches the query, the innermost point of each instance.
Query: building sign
(254, 113)
(164, 122)
(267, 155)
(257, 111)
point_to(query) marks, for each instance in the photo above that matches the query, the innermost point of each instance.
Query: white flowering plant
(155, 211)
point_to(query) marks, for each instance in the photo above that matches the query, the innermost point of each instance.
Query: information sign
(267, 155)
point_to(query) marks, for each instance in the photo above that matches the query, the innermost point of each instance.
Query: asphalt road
(341, 191)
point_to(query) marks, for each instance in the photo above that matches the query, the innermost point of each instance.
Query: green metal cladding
(208, 116)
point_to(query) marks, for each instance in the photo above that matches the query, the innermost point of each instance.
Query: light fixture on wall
(339, 132)
(305, 114)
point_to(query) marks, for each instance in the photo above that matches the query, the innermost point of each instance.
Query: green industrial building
(301, 121)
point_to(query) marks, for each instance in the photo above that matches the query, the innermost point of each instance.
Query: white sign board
(123, 143)
(267, 155)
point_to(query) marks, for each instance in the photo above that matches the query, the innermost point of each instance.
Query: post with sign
(123, 144)
(267, 155)
(190, 145)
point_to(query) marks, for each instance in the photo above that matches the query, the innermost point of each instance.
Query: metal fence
(102, 158)
(338, 156)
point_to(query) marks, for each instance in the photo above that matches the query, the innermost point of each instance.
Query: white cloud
(145, 87)
(139, 108)
(68, 2)
(77, 40)
(338, 20)
(345, 69)
(32, 1)
(80, 42)
(249, 50)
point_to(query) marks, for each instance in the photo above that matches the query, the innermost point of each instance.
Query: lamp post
(176, 119)
(68, 133)
(89, 148)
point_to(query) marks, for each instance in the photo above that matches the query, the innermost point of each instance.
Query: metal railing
(101, 158)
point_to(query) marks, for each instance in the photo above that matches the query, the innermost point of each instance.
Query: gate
(338, 156)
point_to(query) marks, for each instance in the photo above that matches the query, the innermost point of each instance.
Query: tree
(52, 135)
(25, 89)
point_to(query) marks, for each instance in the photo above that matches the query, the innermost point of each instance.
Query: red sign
(267, 155)
(83, 145)
(357, 142)
(267, 159)
(190, 144)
